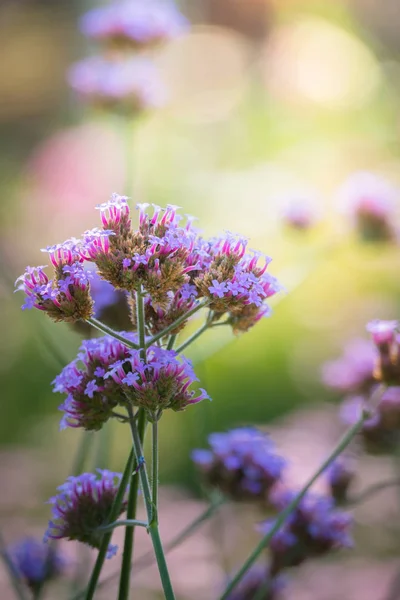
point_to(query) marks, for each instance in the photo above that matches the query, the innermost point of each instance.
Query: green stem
(193, 337)
(12, 573)
(131, 523)
(177, 322)
(140, 320)
(171, 341)
(114, 512)
(153, 527)
(125, 575)
(154, 465)
(280, 520)
(146, 560)
(108, 331)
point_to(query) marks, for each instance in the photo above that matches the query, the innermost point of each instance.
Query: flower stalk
(282, 517)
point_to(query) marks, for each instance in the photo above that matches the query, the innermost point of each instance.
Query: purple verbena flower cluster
(242, 463)
(386, 337)
(314, 528)
(340, 475)
(353, 371)
(128, 86)
(83, 505)
(67, 296)
(381, 429)
(369, 199)
(91, 397)
(172, 263)
(135, 24)
(36, 563)
(107, 374)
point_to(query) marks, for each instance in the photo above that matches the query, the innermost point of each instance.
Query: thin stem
(125, 575)
(12, 573)
(140, 320)
(177, 322)
(154, 464)
(371, 491)
(131, 523)
(280, 520)
(146, 560)
(193, 337)
(108, 331)
(171, 341)
(114, 512)
(153, 524)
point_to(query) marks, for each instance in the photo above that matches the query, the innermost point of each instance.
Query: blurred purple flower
(314, 528)
(299, 213)
(242, 463)
(136, 23)
(129, 85)
(82, 505)
(35, 562)
(353, 371)
(381, 430)
(370, 200)
(340, 475)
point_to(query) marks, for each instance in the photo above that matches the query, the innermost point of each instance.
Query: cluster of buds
(36, 563)
(107, 374)
(154, 256)
(242, 463)
(159, 318)
(168, 263)
(380, 431)
(121, 81)
(82, 506)
(232, 279)
(66, 297)
(313, 529)
(370, 201)
(132, 24)
(386, 337)
(127, 86)
(353, 372)
(340, 476)
(91, 397)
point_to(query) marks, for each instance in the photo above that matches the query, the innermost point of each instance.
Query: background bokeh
(269, 99)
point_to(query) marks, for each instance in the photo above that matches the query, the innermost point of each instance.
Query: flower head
(132, 23)
(380, 431)
(233, 280)
(90, 397)
(340, 475)
(35, 563)
(129, 85)
(242, 463)
(162, 381)
(67, 296)
(386, 337)
(299, 213)
(154, 256)
(82, 505)
(370, 201)
(314, 528)
(353, 371)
